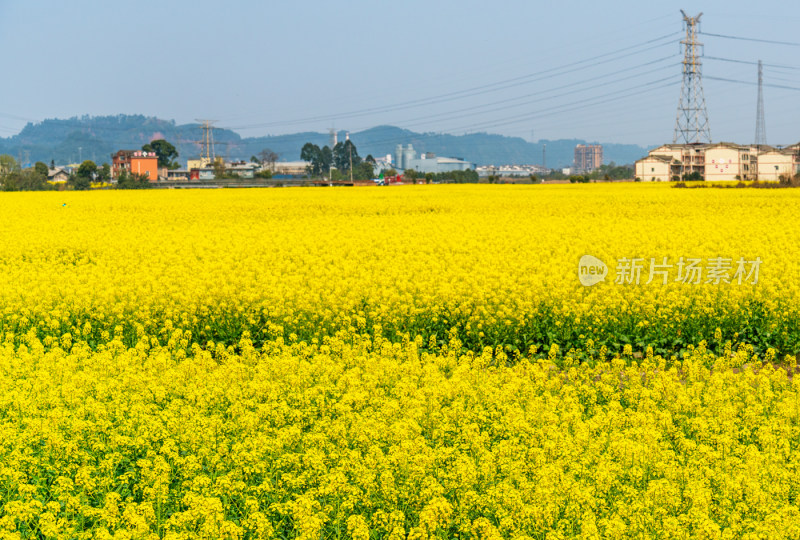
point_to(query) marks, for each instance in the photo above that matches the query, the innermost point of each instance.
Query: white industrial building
(406, 158)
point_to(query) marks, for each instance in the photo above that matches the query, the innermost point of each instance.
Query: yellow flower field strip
(498, 263)
(376, 437)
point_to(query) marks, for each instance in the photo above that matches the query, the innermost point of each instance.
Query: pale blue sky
(540, 70)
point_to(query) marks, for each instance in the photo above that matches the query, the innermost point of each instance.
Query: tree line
(606, 172)
(468, 176)
(13, 177)
(340, 162)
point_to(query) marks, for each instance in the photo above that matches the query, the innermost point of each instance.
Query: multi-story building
(727, 161)
(588, 157)
(135, 162)
(774, 164)
(718, 162)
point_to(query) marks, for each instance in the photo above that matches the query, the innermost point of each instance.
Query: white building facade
(718, 162)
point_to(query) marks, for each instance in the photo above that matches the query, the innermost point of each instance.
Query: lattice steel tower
(207, 144)
(761, 130)
(691, 125)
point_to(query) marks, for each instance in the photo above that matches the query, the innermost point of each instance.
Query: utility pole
(691, 124)
(544, 156)
(80, 154)
(761, 130)
(350, 152)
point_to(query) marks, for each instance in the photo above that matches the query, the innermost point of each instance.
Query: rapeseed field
(416, 362)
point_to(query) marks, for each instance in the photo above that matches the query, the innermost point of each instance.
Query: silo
(398, 157)
(408, 155)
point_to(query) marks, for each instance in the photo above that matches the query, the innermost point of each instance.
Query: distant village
(404, 161)
(155, 166)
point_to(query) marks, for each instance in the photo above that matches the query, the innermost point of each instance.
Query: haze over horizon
(573, 70)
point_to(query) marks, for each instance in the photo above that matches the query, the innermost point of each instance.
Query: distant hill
(97, 137)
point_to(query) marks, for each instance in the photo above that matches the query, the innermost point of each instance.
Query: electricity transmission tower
(761, 130)
(691, 125)
(207, 151)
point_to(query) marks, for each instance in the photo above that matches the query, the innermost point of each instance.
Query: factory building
(718, 162)
(406, 158)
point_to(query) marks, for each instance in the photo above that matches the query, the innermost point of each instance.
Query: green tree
(410, 175)
(319, 159)
(25, 180)
(104, 173)
(364, 171)
(165, 151)
(87, 169)
(326, 159)
(80, 183)
(459, 177)
(8, 164)
(345, 153)
(82, 178)
(129, 180)
(41, 169)
(313, 155)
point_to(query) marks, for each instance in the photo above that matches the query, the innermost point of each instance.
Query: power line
(750, 63)
(772, 77)
(611, 36)
(611, 56)
(616, 96)
(773, 42)
(479, 90)
(570, 107)
(723, 79)
(452, 115)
